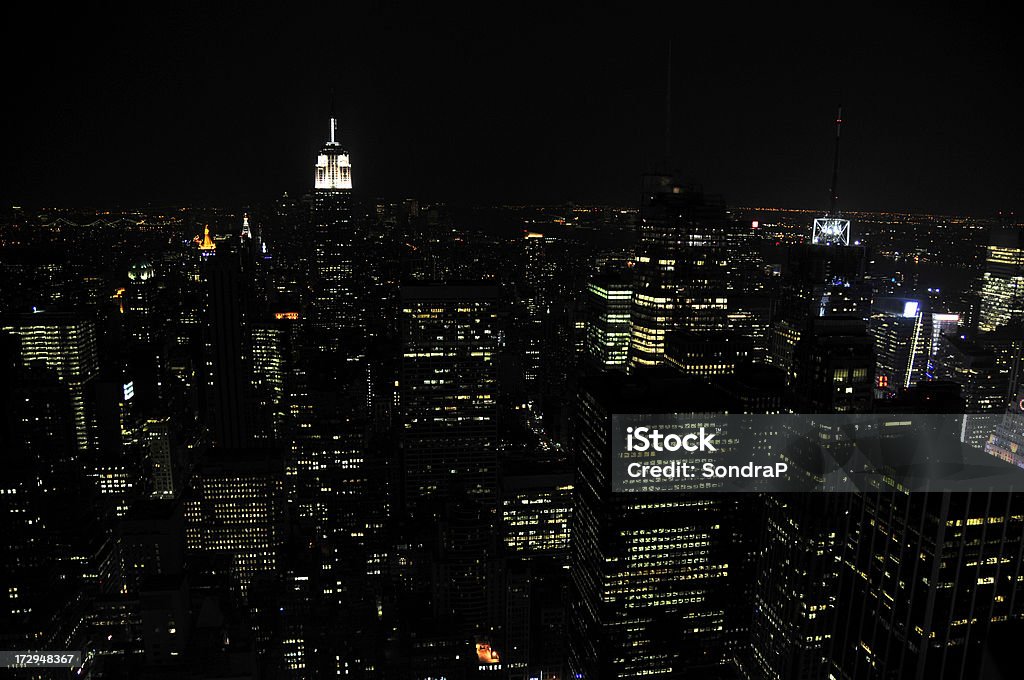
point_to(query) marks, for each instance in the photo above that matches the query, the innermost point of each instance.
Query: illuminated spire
(246, 233)
(207, 246)
(333, 170)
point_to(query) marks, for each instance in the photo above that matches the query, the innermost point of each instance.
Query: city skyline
(405, 346)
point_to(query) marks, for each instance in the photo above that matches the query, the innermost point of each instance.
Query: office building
(607, 321)
(65, 343)
(447, 391)
(1002, 282)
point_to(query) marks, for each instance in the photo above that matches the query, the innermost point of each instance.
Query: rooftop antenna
(832, 229)
(668, 111)
(334, 121)
(657, 179)
(834, 194)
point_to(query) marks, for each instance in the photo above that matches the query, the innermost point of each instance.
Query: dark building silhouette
(226, 359)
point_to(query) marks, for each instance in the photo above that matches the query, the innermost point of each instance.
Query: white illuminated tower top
(333, 169)
(832, 229)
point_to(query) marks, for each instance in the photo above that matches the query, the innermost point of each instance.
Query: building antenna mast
(832, 229)
(668, 112)
(834, 193)
(334, 121)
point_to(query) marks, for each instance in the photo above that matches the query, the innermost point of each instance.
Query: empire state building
(336, 309)
(333, 169)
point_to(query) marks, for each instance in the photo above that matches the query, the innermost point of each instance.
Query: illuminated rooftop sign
(831, 231)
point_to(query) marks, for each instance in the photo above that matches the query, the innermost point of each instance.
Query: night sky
(228, 105)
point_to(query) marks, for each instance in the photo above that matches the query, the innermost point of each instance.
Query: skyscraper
(1002, 282)
(1007, 347)
(539, 270)
(825, 277)
(707, 355)
(941, 323)
(651, 587)
(681, 267)
(902, 336)
(923, 578)
(818, 280)
(607, 323)
(147, 344)
(165, 469)
(336, 242)
(794, 582)
(535, 512)
(66, 344)
(226, 347)
(833, 367)
(139, 302)
(447, 392)
(984, 386)
(1008, 440)
(832, 371)
(41, 474)
(446, 406)
(234, 517)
